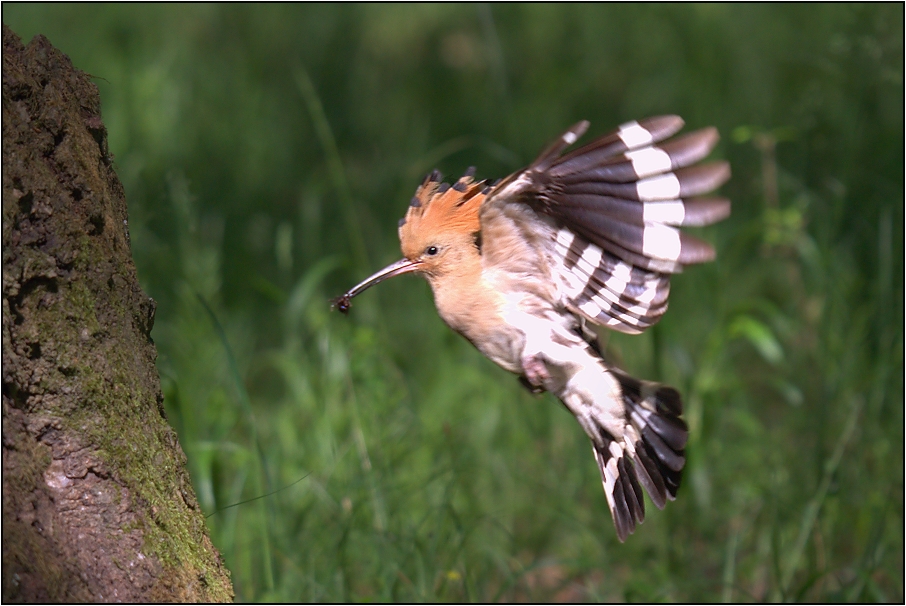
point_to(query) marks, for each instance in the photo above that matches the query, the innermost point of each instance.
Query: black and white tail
(649, 455)
(638, 439)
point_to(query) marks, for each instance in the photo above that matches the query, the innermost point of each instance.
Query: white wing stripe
(634, 135)
(649, 161)
(661, 242)
(618, 281)
(565, 239)
(574, 284)
(670, 212)
(591, 309)
(600, 304)
(605, 289)
(622, 271)
(612, 289)
(662, 187)
(636, 310)
(619, 286)
(573, 281)
(592, 256)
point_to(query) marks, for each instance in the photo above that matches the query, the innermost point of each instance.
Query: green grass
(267, 153)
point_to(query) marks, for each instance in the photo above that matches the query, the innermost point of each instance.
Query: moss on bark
(97, 502)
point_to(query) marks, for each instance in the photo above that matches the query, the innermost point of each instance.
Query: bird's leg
(548, 351)
(537, 331)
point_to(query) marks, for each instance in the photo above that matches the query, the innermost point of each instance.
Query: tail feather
(624, 495)
(651, 477)
(648, 453)
(632, 491)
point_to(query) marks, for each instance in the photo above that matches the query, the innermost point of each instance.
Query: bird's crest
(441, 207)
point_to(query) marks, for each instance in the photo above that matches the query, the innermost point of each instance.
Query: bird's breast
(478, 313)
(499, 316)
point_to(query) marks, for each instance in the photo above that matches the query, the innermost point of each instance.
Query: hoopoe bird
(521, 267)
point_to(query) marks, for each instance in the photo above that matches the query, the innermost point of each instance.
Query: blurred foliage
(267, 153)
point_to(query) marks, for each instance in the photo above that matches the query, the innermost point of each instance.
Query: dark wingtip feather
(662, 127)
(691, 148)
(705, 211)
(696, 180)
(547, 157)
(693, 250)
(575, 131)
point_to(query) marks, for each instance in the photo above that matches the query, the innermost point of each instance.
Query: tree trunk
(97, 502)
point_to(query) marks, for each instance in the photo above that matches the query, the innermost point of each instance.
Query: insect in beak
(403, 266)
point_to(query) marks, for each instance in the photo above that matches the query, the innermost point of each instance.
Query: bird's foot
(532, 388)
(536, 374)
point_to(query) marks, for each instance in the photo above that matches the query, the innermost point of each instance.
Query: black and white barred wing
(604, 289)
(617, 204)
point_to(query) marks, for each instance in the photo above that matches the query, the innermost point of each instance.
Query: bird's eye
(431, 251)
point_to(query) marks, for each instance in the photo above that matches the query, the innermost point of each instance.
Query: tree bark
(97, 502)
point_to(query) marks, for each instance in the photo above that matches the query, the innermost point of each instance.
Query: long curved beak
(403, 266)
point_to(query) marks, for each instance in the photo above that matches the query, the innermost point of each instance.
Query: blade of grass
(494, 50)
(811, 511)
(258, 497)
(380, 508)
(334, 163)
(871, 558)
(730, 566)
(246, 404)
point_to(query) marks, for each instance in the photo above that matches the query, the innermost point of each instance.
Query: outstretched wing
(614, 207)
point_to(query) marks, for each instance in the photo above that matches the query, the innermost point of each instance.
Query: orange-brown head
(439, 232)
(441, 224)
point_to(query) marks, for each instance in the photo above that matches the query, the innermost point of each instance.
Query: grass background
(267, 153)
